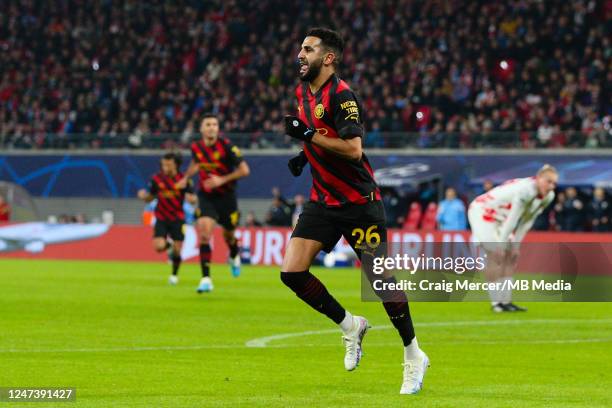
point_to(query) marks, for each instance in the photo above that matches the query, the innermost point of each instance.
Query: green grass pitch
(124, 338)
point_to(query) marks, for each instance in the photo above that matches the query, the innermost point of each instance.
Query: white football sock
(497, 295)
(412, 351)
(507, 293)
(347, 323)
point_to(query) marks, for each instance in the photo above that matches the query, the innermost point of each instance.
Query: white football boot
(352, 342)
(206, 285)
(414, 372)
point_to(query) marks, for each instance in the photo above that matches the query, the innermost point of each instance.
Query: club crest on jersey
(216, 155)
(319, 111)
(169, 194)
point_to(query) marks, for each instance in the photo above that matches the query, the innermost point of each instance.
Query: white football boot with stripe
(352, 342)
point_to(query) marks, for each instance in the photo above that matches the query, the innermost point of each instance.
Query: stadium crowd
(456, 72)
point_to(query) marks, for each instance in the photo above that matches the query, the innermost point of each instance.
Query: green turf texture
(125, 338)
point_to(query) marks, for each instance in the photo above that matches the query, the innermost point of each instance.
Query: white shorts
(484, 230)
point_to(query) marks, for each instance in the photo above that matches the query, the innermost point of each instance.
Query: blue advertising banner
(121, 175)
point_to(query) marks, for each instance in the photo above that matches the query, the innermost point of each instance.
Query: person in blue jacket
(451, 212)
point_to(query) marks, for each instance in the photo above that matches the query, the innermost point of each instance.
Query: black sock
(310, 289)
(396, 305)
(233, 248)
(176, 263)
(168, 245)
(205, 255)
(399, 314)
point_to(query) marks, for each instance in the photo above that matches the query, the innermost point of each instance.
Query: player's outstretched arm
(145, 196)
(243, 170)
(215, 181)
(189, 173)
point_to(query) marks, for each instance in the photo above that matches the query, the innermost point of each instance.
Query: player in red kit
(344, 199)
(219, 164)
(169, 213)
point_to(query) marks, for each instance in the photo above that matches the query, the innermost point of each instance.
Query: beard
(314, 68)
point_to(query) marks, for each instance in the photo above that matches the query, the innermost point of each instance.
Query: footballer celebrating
(501, 218)
(169, 213)
(344, 199)
(220, 164)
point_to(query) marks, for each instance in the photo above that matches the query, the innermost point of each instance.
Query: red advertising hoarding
(266, 244)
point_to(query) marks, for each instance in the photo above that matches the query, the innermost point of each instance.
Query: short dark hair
(175, 157)
(330, 39)
(210, 115)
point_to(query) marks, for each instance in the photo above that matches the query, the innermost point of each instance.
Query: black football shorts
(362, 225)
(172, 229)
(222, 208)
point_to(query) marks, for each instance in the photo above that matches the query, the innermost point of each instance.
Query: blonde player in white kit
(500, 219)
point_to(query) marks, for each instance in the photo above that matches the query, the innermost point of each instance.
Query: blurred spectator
(143, 69)
(374, 137)
(599, 211)
(451, 212)
(428, 193)
(543, 221)
(392, 208)
(545, 134)
(148, 213)
(558, 213)
(484, 188)
(573, 211)
(280, 212)
(5, 210)
(251, 220)
(487, 185)
(190, 212)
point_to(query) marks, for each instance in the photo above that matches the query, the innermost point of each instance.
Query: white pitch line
(275, 346)
(263, 341)
(122, 349)
(456, 342)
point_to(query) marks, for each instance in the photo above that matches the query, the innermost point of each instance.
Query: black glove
(297, 163)
(297, 129)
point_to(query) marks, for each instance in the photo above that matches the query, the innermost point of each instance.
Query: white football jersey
(514, 206)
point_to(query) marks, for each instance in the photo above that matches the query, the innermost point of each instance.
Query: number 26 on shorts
(370, 235)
